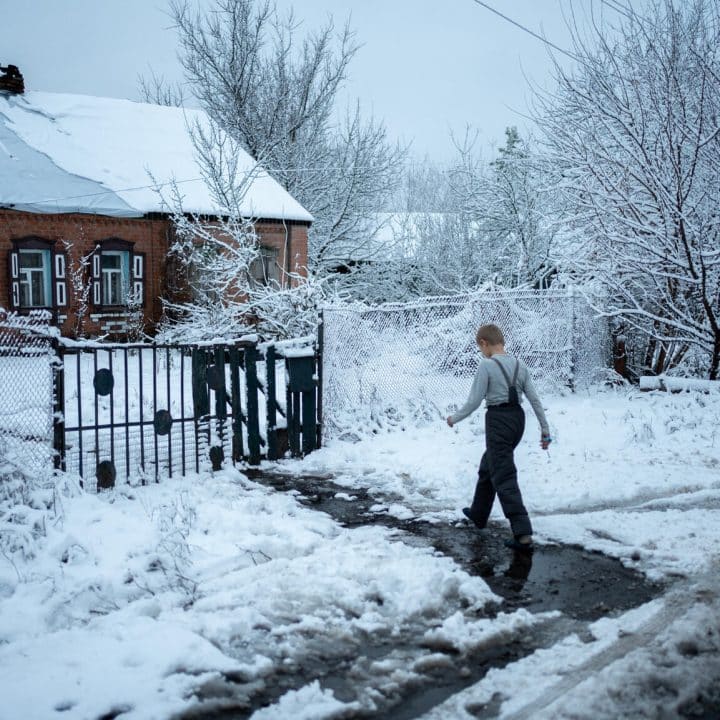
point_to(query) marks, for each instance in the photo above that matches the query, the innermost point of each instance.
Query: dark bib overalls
(504, 427)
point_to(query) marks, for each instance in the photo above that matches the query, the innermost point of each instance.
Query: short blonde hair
(491, 334)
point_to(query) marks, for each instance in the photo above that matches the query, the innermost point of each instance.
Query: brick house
(84, 178)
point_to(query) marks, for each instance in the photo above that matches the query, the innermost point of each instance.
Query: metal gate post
(271, 403)
(253, 421)
(58, 417)
(237, 416)
(319, 389)
(201, 401)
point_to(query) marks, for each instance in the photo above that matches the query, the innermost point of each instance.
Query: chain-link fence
(401, 362)
(27, 365)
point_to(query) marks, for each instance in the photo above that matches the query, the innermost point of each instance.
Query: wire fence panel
(397, 362)
(27, 365)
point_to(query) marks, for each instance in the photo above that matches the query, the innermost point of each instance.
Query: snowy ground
(153, 601)
(632, 474)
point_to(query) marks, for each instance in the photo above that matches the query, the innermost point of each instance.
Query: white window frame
(25, 278)
(105, 276)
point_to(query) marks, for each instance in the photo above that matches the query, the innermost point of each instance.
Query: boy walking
(500, 381)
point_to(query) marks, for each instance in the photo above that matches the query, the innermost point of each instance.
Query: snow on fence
(414, 361)
(27, 365)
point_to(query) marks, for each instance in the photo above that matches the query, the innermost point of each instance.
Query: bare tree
(512, 210)
(221, 283)
(634, 134)
(158, 91)
(80, 285)
(275, 93)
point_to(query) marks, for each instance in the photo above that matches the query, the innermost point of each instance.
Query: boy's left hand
(545, 441)
(450, 420)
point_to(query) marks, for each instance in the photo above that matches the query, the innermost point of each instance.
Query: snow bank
(139, 599)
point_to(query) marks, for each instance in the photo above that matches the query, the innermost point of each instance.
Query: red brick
(149, 235)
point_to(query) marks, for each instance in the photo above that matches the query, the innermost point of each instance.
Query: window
(35, 281)
(37, 275)
(265, 270)
(115, 266)
(118, 275)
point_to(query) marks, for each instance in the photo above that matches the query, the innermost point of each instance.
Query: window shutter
(59, 266)
(60, 281)
(139, 277)
(96, 278)
(14, 267)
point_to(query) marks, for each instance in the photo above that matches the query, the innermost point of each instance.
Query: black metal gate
(147, 411)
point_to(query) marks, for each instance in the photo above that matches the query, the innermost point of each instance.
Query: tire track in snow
(676, 603)
(638, 502)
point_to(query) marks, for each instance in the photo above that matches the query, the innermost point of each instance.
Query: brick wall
(291, 242)
(149, 236)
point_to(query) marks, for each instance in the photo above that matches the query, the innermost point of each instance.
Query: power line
(526, 29)
(110, 191)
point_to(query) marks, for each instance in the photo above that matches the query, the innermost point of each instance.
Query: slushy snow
(147, 601)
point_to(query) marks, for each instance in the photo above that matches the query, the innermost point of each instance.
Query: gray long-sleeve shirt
(490, 385)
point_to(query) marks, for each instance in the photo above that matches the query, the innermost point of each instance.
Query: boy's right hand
(545, 441)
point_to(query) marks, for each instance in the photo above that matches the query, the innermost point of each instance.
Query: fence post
(271, 403)
(253, 421)
(201, 400)
(58, 407)
(220, 401)
(573, 339)
(292, 404)
(319, 359)
(237, 416)
(309, 421)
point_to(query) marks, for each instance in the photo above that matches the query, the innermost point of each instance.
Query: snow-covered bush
(632, 133)
(28, 503)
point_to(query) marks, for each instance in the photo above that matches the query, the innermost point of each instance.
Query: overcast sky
(427, 67)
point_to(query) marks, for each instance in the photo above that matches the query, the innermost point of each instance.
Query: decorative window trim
(59, 266)
(60, 294)
(53, 269)
(133, 277)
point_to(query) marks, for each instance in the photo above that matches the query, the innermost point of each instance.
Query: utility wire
(109, 191)
(526, 29)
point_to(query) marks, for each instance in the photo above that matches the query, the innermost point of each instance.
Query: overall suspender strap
(504, 372)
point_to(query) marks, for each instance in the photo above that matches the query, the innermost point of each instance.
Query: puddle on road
(582, 586)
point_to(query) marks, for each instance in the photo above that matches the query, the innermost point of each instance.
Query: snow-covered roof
(75, 153)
